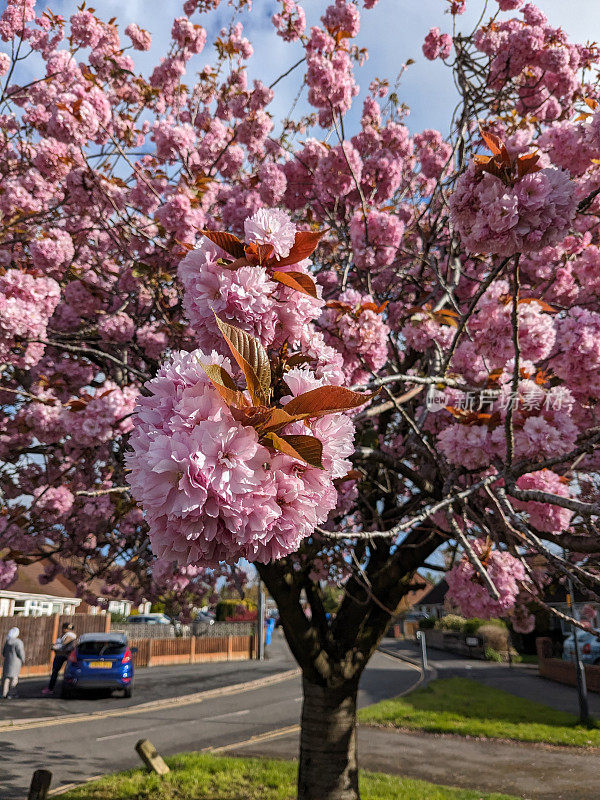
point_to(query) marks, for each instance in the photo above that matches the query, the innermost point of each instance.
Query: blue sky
(393, 32)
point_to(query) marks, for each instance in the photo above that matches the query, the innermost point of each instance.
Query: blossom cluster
(493, 217)
(467, 591)
(211, 491)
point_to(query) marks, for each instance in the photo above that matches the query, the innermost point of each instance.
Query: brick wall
(555, 669)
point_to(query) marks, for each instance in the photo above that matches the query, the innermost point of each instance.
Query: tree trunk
(328, 755)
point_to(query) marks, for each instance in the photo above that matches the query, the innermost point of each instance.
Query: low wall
(555, 669)
(454, 642)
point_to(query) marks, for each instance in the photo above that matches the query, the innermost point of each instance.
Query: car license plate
(100, 664)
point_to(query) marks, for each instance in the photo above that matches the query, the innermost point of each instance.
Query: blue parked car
(589, 647)
(99, 661)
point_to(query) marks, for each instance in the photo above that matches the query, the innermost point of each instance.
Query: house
(432, 602)
(27, 597)
(419, 587)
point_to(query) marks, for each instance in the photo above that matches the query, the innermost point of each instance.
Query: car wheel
(128, 691)
(66, 693)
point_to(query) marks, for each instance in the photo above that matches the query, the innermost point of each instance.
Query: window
(38, 608)
(100, 648)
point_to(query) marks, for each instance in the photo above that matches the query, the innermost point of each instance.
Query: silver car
(589, 647)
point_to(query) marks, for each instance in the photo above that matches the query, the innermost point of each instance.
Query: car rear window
(93, 648)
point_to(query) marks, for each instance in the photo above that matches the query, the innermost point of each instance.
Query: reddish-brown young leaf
(493, 143)
(258, 254)
(297, 360)
(374, 307)
(542, 303)
(226, 241)
(542, 376)
(526, 165)
(306, 448)
(252, 359)
(276, 420)
(326, 400)
(304, 246)
(77, 404)
(224, 385)
(296, 280)
(219, 374)
(352, 475)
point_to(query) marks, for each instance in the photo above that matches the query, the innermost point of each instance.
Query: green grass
(465, 707)
(198, 776)
(528, 659)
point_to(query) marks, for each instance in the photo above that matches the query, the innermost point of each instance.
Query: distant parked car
(203, 616)
(201, 622)
(156, 619)
(589, 647)
(148, 619)
(99, 661)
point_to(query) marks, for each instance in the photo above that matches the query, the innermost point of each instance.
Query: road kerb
(260, 737)
(168, 702)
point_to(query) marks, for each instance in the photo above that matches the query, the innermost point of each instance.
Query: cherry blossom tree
(324, 351)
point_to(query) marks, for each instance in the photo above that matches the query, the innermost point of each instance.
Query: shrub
(451, 622)
(492, 655)
(427, 623)
(235, 610)
(472, 626)
(494, 637)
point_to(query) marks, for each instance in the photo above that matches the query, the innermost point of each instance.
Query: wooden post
(151, 758)
(40, 784)
(107, 622)
(55, 623)
(229, 648)
(150, 643)
(192, 649)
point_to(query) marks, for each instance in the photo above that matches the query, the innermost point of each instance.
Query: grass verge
(199, 776)
(466, 707)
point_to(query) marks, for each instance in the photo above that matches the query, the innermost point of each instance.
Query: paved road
(151, 683)
(521, 680)
(76, 750)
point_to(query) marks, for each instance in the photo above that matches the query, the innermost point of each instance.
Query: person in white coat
(13, 654)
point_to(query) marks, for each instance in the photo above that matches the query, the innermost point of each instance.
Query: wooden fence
(193, 650)
(39, 633)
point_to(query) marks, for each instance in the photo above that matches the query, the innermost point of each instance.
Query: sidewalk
(531, 772)
(520, 680)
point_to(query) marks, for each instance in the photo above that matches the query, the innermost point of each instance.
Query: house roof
(28, 582)
(436, 595)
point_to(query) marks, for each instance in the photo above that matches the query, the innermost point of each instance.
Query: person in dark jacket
(13, 654)
(62, 647)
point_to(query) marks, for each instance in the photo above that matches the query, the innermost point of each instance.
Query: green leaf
(252, 359)
(305, 448)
